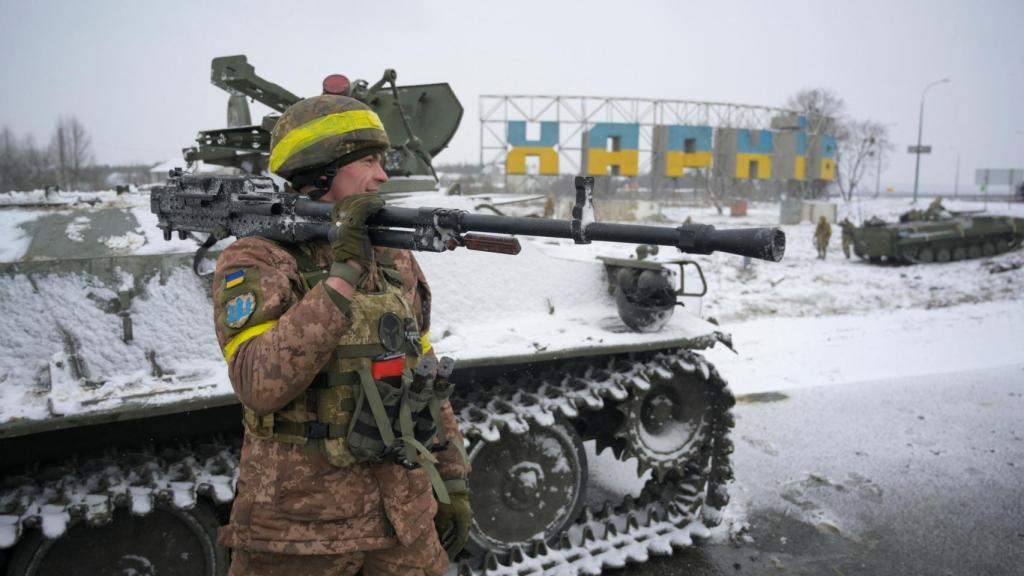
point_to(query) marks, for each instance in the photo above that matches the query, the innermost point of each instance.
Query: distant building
(159, 172)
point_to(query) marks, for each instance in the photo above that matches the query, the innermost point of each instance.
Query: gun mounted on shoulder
(240, 206)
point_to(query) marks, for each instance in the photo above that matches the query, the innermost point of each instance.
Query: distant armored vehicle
(937, 235)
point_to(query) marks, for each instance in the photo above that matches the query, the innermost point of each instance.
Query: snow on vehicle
(120, 432)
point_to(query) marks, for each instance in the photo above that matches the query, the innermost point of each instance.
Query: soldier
(848, 228)
(822, 234)
(549, 206)
(935, 209)
(336, 476)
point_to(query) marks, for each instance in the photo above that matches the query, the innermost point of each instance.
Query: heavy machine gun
(224, 206)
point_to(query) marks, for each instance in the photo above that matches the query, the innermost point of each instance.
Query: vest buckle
(316, 430)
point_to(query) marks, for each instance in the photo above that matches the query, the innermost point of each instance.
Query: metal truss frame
(578, 113)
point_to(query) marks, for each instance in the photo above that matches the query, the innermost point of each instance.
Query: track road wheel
(525, 485)
(1002, 245)
(166, 542)
(974, 251)
(668, 424)
(943, 255)
(988, 249)
(959, 253)
(926, 256)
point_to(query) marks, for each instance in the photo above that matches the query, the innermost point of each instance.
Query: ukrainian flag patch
(234, 279)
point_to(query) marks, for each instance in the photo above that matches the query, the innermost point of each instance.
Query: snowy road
(898, 448)
(916, 475)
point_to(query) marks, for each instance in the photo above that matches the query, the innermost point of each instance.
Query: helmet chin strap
(323, 183)
(326, 177)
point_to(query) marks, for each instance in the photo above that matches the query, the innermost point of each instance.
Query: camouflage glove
(452, 520)
(349, 216)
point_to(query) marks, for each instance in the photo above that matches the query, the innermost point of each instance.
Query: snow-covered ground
(823, 333)
(897, 382)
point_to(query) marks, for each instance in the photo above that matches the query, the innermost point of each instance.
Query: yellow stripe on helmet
(251, 332)
(324, 127)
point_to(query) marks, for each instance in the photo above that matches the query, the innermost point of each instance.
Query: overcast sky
(136, 73)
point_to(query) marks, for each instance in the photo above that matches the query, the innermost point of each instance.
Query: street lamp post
(878, 172)
(956, 185)
(920, 124)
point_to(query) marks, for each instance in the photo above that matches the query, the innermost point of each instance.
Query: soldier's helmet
(322, 132)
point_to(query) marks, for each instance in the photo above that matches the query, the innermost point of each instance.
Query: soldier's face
(360, 177)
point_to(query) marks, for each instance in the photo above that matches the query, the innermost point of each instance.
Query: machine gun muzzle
(761, 243)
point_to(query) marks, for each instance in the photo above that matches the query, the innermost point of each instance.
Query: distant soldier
(549, 206)
(822, 234)
(935, 209)
(848, 228)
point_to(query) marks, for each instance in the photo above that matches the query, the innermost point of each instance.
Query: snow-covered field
(886, 371)
(807, 322)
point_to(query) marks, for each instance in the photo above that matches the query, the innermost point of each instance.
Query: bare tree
(71, 146)
(826, 114)
(23, 166)
(825, 110)
(861, 144)
(8, 160)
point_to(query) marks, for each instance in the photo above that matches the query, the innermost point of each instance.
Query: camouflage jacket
(822, 232)
(290, 500)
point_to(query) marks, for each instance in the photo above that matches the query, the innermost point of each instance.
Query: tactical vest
(364, 405)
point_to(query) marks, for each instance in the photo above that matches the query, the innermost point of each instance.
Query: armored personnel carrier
(120, 432)
(937, 235)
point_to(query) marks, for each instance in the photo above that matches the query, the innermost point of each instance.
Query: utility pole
(920, 123)
(956, 185)
(878, 172)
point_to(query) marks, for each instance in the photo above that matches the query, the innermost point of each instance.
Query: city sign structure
(553, 135)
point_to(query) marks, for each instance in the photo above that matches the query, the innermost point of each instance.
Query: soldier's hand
(452, 523)
(349, 216)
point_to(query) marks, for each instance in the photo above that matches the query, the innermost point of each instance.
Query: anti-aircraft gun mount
(420, 121)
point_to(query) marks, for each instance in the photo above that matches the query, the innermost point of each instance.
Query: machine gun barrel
(762, 243)
(225, 206)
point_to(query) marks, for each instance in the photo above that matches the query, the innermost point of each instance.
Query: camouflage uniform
(822, 234)
(935, 209)
(848, 228)
(290, 500)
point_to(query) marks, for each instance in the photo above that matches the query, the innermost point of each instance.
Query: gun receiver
(223, 206)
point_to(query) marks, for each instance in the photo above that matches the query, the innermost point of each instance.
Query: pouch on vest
(335, 405)
(370, 432)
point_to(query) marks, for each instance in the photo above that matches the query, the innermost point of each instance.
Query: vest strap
(347, 273)
(312, 430)
(435, 414)
(380, 416)
(359, 351)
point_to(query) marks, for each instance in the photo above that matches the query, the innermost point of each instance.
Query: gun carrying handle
(682, 278)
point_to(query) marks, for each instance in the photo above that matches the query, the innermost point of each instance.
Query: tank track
(669, 511)
(55, 499)
(666, 515)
